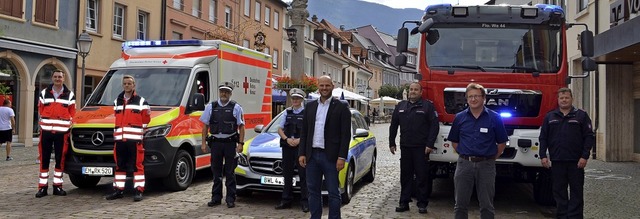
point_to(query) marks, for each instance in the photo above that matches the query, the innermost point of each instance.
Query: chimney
(342, 27)
(314, 18)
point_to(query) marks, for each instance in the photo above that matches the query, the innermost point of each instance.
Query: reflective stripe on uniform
(56, 121)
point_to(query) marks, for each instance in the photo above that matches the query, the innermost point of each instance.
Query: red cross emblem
(245, 85)
(164, 61)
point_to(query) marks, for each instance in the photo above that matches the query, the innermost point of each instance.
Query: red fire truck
(518, 53)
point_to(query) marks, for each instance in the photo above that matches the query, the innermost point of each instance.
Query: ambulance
(177, 78)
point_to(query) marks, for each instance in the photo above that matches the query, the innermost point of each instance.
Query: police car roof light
(160, 43)
(551, 8)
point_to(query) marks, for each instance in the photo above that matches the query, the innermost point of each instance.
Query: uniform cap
(226, 85)
(297, 92)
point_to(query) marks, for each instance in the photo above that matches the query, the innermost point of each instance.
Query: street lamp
(84, 46)
(291, 34)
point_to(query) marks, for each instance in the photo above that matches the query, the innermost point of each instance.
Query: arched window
(9, 84)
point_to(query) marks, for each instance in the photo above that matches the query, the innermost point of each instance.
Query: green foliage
(388, 90)
(4, 89)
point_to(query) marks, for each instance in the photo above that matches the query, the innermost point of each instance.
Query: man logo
(97, 138)
(277, 167)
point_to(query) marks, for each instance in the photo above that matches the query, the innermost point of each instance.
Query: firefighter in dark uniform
(419, 128)
(566, 133)
(289, 131)
(57, 106)
(132, 114)
(224, 122)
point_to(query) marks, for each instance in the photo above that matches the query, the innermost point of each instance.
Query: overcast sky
(422, 4)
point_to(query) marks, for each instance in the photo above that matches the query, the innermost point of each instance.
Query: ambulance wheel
(83, 181)
(348, 184)
(182, 172)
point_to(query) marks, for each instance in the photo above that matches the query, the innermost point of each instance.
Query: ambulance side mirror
(196, 102)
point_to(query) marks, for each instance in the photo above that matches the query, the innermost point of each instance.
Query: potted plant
(308, 84)
(5, 90)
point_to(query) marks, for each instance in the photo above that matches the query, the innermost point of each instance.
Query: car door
(359, 150)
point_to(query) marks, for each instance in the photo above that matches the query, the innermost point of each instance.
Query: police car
(260, 163)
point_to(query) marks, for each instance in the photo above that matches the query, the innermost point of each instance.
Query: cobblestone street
(611, 192)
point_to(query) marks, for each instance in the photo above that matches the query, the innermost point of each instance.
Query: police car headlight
(158, 131)
(242, 159)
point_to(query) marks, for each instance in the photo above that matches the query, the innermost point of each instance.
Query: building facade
(37, 37)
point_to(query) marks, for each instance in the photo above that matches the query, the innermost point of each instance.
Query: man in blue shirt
(479, 136)
(223, 131)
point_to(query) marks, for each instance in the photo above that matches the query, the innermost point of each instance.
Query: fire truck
(518, 53)
(177, 78)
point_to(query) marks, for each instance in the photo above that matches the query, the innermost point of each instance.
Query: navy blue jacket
(418, 123)
(568, 138)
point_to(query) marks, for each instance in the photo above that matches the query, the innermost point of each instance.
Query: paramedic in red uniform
(132, 116)
(57, 106)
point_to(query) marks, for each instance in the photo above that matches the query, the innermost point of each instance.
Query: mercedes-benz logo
(277, 167)
(97, 138)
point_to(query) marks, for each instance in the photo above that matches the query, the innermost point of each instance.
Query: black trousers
(569, 204)
(226, 151)
(52, 141)
(289, 163)
(413, 163)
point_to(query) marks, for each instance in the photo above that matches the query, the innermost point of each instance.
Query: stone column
(299, 15)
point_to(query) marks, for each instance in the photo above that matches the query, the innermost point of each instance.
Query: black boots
(57, 190)
(42, 192)
(115, 195)
(138, 196)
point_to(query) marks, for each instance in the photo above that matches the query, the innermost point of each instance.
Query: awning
(618, 44)
(278, 96)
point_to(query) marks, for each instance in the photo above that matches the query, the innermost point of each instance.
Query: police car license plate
(272, 180)
(97, 171)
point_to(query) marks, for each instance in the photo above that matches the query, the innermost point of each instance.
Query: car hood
(103, 116)
(265, 144)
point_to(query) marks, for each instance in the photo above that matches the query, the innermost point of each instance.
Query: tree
(235, 33)
(388, 90)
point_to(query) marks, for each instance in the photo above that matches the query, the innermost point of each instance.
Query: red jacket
(56, 113)
(132, 116)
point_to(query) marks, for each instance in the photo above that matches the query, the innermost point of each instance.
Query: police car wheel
(348, 187)
(181, 173)
(371, 175)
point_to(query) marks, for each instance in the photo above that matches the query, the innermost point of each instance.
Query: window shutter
(50, 12)
(16, 9)
(40, 9)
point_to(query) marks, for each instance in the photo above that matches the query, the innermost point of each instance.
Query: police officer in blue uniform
(289, 132)
(419, 128)
(223, 132)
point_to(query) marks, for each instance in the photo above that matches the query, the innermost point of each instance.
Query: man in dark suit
(324, 144)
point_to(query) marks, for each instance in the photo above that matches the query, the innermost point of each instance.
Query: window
(176, 36)
(143, 25)
(307, 66)
(212, 11)
(267, 15)
(227, 17)
(11, 8)
(118, 21)
(276, 20)
(178, 4)
(247, 7)
(91, 21)
(245, 43)
(287, 20)
(196, 8)
(275, 58)
(582, 5)
(307, 32)
(257, 10)
(201, 85)
(45, 11)
(266, 50)
(348, 51)
(411, 59)
(286, 58)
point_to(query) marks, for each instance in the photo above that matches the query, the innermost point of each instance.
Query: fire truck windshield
(494, 48)
(159, 86)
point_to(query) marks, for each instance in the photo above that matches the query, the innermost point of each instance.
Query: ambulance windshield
(159, 86)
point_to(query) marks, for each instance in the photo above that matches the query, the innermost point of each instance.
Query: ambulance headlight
(157, 131)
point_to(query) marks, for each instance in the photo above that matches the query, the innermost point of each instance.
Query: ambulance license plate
(272, 180)
(97, 171)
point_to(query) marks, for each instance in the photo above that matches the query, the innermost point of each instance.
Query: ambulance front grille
(92, 139)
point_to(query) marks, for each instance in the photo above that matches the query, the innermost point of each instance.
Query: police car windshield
(159, 86)
(495, 48)
(275, 124)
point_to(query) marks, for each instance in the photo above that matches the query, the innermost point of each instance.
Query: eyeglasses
(474, 97)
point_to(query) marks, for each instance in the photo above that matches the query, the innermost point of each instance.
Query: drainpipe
(75, 79)
(597, 85)
(163, 19)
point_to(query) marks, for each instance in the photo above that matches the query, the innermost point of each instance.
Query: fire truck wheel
(182, 172)
(83, 181)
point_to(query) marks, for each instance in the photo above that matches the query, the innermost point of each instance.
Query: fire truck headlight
(158, 131)
(505, 115)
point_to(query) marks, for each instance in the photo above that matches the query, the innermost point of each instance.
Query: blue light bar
(505, 115)
(551, 8)
(160, 43)
(434, 8)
